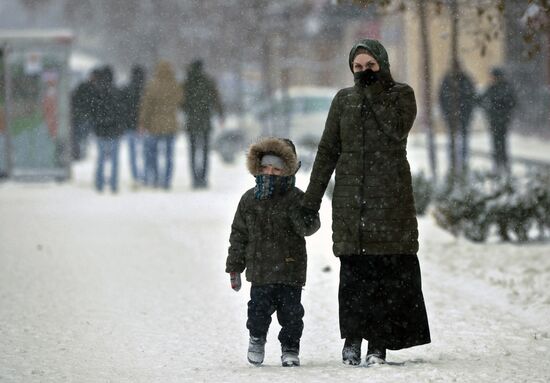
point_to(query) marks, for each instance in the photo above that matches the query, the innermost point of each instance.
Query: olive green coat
(267, 235)
(267, 238)
(365, 140)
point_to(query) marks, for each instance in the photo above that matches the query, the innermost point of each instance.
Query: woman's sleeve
(303, 223)
(394, 109)
(327, 156)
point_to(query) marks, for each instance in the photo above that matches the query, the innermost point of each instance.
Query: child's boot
(289, 356)
(256, 350)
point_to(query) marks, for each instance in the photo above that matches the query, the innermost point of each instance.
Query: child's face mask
(267, 185)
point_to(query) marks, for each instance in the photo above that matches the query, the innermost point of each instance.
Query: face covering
(366, 77)
(267, 185)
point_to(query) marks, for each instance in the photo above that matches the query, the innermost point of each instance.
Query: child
(267, 238)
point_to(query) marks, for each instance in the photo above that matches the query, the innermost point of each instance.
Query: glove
(366, 77)
(235, 279)
(308, 215)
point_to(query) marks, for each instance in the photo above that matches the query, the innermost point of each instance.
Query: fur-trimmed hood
(281, 147)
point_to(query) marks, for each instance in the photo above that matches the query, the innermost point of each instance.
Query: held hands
(308, 215)
(235, 279)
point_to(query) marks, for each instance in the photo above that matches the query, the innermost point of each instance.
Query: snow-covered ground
(131, 288)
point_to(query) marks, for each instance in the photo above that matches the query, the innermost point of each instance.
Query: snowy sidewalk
(131, 288)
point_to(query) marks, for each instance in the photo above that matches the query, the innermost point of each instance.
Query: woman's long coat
(365, 140)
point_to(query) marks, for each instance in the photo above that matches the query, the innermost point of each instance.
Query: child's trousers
(286, 300)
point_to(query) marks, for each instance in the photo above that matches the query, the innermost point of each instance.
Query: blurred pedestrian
(201, 101)
(457, 109)
(157, 118)
(499, 102)
(267, 239)
(130, 98)
(375, 231)
(81, 114)
(107, 128)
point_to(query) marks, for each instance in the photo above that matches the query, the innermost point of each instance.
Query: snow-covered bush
(512, 207)
(461, 209)
(423, 192)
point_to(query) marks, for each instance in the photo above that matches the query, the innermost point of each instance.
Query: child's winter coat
(267, 234)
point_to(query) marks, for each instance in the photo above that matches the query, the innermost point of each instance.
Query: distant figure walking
(201, 101)
(499, 101)
(462, 106)
(161, 100)
(107, 128)
(81, 114)
(130, 98)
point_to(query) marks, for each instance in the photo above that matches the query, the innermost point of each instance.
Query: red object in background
(368, 30)
(49, 106)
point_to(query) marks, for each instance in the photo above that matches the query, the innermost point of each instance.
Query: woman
(374, 223)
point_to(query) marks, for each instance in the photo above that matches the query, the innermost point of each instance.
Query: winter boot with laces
(375, 355)
(351, 353)
(256, 350)
(289, 356)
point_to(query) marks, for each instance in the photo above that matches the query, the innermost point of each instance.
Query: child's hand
(235, 279)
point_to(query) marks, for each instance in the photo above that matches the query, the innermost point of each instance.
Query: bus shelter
(34, 104)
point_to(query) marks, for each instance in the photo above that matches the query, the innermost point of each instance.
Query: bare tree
(427, 88)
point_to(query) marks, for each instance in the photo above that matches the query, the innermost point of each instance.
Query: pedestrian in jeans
(157, 117)
(129, 111)
(107, 129)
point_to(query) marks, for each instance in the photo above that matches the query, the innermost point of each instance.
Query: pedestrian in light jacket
(157, 118)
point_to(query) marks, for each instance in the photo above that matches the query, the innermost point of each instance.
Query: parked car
(301, 116)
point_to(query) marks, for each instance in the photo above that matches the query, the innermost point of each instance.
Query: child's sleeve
(238, 241)
(304, 221)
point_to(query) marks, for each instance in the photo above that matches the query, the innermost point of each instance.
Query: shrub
(513, 207)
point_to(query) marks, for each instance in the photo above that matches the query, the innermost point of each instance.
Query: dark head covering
(138, 75)
(196, 65)
(376, 50)
(497, 72)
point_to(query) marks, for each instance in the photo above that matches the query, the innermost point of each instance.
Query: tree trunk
(267, 128)
(454, 93)
(284, 129)
(426, 65)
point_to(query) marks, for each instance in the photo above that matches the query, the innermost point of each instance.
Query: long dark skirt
(380, 300)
